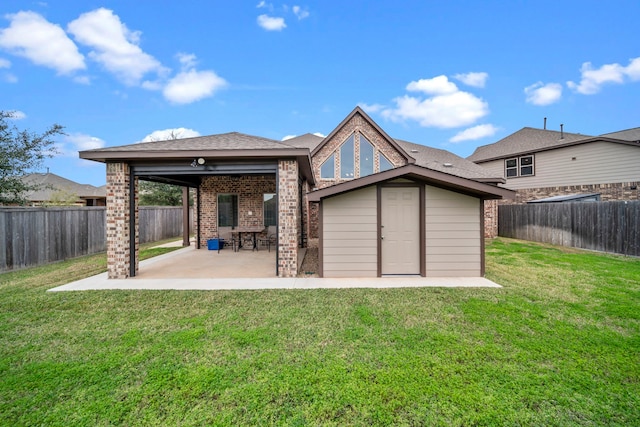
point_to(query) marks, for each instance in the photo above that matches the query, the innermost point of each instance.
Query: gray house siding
(593, 163)
(349, 234)
(453, 236)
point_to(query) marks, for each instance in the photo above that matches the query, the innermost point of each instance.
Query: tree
(21, 152)
(159, 194)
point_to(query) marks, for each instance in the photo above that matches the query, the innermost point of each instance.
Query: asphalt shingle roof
(49, 184)
(524, 141)
(625, 135)
(223, 141)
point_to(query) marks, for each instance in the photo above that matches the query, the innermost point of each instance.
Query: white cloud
(4, 63)
(300, 12)
(271, 23)
(9, 78)
(263, 4)
(320, 134)
(17, 115)
(191, 85)
(31, 36)
(72, 143)
(115, 46)
(167, 134)
(439, 85)
(449, 107)
(592, 79)
(286, 137)
(472, 79)
(476, 132)
(543, 94)
(371, 108)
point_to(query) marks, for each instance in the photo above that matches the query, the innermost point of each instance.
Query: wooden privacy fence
(35, 236)
(601, 226)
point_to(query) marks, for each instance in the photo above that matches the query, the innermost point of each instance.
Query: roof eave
(464, 185)
(555, 147)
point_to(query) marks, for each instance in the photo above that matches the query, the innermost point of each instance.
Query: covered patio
(230, 175)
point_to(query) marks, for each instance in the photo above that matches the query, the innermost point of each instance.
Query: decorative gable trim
(369, 120)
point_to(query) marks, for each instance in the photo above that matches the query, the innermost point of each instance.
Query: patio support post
(288, 211)
(118, 215)
(185, 216)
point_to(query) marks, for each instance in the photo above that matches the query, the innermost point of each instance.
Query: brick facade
(289, 218)
(119, 233)
(249, 189)
(358, 126)
(612, 191)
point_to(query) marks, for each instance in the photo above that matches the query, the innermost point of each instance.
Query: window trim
(264, 210)
(332, 157)
(235, 209)
(519, 166)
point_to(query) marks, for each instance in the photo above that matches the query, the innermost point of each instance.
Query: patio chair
(226, 238)
(269, 239)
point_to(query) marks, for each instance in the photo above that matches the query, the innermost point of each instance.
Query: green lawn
(558, 345)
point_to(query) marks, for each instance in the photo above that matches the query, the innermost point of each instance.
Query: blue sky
(448, 74)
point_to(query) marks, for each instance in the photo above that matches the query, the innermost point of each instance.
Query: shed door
(400, 230)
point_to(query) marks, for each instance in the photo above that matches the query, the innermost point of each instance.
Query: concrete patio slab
(200, 269)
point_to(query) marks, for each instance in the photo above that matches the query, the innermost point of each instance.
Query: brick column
(288, 211)
(119, 233)
(490, 219)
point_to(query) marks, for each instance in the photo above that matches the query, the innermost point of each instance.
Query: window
(227, 210)
(385, 164)
(327, 170)
(366, 157)
(347, 159)
(519, 166)
(269, 209)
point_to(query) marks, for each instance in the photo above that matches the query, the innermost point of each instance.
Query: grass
(558, 345)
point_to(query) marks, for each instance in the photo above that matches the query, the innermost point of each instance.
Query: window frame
(234, 209)
(518, 167)
(264, 209)
(332, 157)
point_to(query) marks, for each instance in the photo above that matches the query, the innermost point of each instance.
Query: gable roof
(423, 174)
(49, 183)
(359, 111)
(529, 140)
(447, 162)
(526, 140)
(626, 135)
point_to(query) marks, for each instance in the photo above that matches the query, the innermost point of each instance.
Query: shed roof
(419, 173)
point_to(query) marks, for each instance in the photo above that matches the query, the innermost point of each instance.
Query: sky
(450, 74)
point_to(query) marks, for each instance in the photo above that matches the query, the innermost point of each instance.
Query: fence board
(612, 226)
(35, 236)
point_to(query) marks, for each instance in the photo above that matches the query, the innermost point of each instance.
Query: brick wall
(288, 204)
(119, 233)
(360, 126)
(250, 190)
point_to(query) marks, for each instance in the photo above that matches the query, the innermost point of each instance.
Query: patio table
(253, 230)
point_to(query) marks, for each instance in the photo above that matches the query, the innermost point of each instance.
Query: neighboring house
(377, 205)
(541, 163)
(52, 189)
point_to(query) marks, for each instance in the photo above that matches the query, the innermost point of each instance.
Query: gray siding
(595, 163)
(452, 226)
(349, 233)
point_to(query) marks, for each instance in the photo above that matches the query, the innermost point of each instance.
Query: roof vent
(447, 165)
(414, 151)
(561, 131)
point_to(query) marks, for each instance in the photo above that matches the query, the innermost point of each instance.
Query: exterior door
(400, 230)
